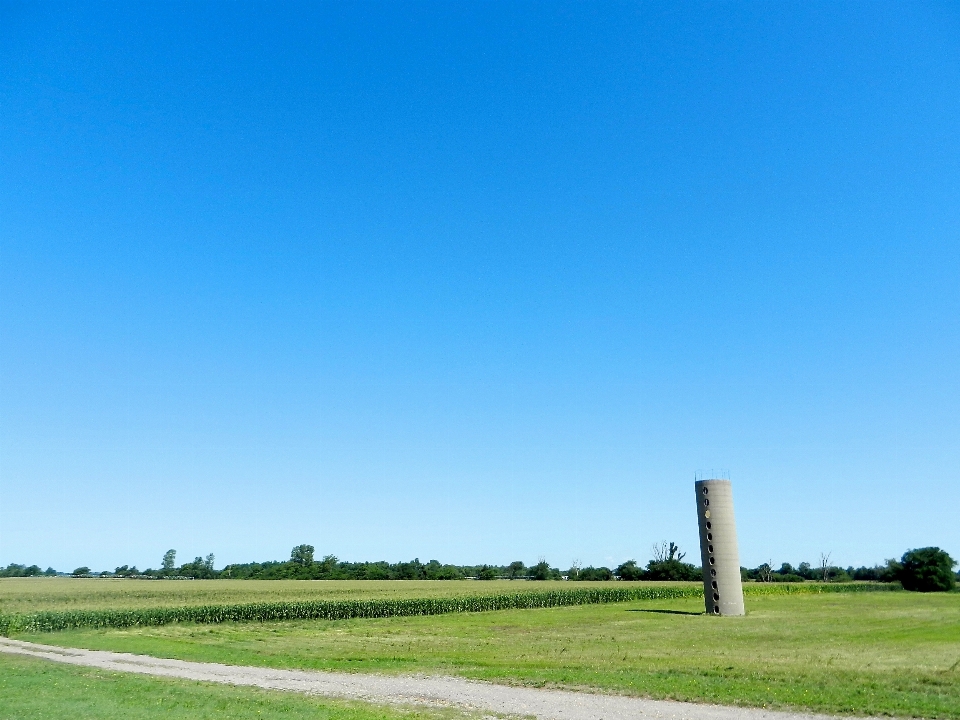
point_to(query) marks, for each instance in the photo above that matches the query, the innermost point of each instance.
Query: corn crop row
(51, 621)
(816, 588)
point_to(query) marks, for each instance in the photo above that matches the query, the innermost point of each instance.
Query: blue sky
(477, 282)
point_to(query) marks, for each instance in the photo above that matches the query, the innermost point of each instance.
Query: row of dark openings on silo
(711, 560)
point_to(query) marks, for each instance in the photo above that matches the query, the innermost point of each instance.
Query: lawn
(39, 690)
(857, 653)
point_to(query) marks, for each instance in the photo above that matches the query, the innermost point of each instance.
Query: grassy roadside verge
(35, 689)
(51, 621)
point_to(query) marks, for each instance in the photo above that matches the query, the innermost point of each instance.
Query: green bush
(629, 571)
(672, 570)
(928, 569)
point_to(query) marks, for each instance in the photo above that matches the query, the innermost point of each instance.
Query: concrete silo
(722, 590)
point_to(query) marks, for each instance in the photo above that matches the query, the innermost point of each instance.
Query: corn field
(52, 621)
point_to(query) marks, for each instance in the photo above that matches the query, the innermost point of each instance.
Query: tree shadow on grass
(665, 612)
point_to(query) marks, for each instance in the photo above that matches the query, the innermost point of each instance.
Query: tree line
(928, 569)
(16, 570)
(920, 569)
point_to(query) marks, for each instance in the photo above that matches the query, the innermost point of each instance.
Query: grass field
(38, 690)
(873, 653)
(22, 595)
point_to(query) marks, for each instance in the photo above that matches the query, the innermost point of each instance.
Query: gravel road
(408, 690)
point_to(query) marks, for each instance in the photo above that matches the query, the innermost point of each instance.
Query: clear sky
(477, 281)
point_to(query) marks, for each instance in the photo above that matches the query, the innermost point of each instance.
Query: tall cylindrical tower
(722, 590)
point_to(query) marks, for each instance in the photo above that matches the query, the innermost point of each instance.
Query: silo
(722, 590)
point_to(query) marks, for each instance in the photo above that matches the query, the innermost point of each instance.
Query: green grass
(857, 653)
(40, 690)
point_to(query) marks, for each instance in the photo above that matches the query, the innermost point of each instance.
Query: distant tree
(376, 571)
(928, 569)
(629, 571)
(50, 572)
(891, 572)
(516, 569)
(413, 570)
(302, 555)
(574, 572)
(84, 570)
(435, 571)
(672, 570)
(327, 568)
(765, 572)
(540, 571)
(665, 552)
(169, 562)
(666, 565)
(486, 572)
(788, 577)
(596, 574)
(17, 570)
(838, 574)
(824, 572)
(202, 569)
(867, 573)
(825, 566)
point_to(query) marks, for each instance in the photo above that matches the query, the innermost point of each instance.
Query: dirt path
(416, 689)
